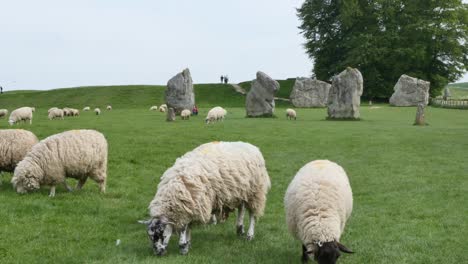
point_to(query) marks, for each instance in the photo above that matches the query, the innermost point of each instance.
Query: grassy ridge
(286, 87)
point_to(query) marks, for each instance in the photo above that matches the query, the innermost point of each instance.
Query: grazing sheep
(153, 108)
(212, 178)
(318, 202)
(109, 107)
(14, 144)
(3, 112)
(74, 112)
(76, 154)
(185, 114)
(55, 113)
(66, 111)
(51, 109)
(86, 108)
(290, 114)
(21, 114)
(163, 108)
(97, 111)
(215, 114)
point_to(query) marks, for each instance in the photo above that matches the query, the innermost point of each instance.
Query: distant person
(195, 110)
(1, 90)
(222, 78)
(226, 79)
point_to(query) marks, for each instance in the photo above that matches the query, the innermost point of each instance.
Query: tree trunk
(420, 119)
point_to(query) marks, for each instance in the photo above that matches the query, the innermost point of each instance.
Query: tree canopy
(384, 39)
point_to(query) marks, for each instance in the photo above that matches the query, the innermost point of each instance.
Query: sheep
(212, 178)
(153, 108)
(109, 107)
(318, 202)
(21, 114)
(3, 112)
(55, 113)
(76, 154)
(163, 108)
(74, 112)
(51, 109)
(86, 108)
(290, 114)
(185, 114)
(215, 114)
(97, 111)
(14, 144)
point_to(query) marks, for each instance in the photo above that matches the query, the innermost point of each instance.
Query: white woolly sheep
(163, 108)
(21, 114)
(97, 111)
(109, 107)
(74, 112)
(14, 144)
(318, 202)
(215, 114)
(3, 112)
(212, 178)
(76, 154)
(153, 108)
(86, 108)
(51, 109)
(185, 114)
(55, 113)
(290, 114)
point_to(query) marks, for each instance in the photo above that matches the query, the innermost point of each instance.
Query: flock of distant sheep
(205, 184)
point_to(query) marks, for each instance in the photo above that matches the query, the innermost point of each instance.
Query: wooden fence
(450, 103)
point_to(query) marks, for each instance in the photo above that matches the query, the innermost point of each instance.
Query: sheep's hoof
(184, 248)
(240, 230)
(249, 237)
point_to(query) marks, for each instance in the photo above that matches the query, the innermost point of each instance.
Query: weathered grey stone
(409, 91)
(345, 93)
(261, 97)
(179, 92)
(420, 118)
(447, 93)
(170, 115)
(309, 92)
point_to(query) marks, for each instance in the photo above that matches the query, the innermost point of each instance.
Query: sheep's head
(159, 232)
(11, 122)
(24, 181)
(328, 252)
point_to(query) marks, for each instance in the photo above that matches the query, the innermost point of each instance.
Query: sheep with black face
(318, 203)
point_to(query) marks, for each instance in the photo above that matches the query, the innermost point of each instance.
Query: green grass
(459, 90)
(410, 183)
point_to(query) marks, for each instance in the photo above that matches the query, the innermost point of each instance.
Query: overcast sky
(55, 43)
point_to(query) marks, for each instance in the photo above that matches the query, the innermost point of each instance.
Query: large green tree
(384, 39)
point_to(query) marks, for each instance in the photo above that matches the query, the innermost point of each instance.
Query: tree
(384, 39)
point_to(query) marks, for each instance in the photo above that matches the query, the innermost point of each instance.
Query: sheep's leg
(184, 240)
(52, 191)
(251, 231)
(67, 186)
(102, 186)
(80, 183)
(240, 219)
(305, 257)
(213, 220)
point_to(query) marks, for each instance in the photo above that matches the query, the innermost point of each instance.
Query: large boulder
(309, 92)
(409, 91)
(345, 93)
(179, 92)
(260, 100)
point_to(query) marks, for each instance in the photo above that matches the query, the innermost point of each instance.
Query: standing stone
(170, 116)
(179, 92)
(260, 100)
(447, 93)
(420, 118)
(309, 92)
(409, 91)
(344, 97)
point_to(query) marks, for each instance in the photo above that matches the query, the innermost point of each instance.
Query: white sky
(55, 43)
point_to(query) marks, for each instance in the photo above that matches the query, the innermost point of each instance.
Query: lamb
(3, 112)
(318, 202)
(215, 114)
(55, 113)
(97, 111)
(14, 144)
(185, 114)
(290, 114)
(212, 178)
(76, 154)
(109, 107)
(154, 108)
(21, 114)
(86, 108)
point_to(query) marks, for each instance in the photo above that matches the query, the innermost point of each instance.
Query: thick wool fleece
(213, 177)
(14, 144)
(318, 202)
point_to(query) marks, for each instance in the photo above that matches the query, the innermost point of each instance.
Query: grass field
(459, 90)
(410, 183)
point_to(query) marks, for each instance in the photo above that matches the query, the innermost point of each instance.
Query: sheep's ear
(343, 248)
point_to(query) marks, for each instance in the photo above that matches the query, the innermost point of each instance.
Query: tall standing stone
(409, 91)
(309, 92)
(447, 93)
(420, 117)
(170, 115)
(260, 101)
(345, 93)
(179, 92)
